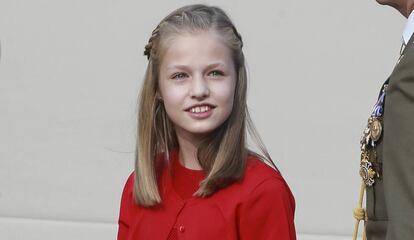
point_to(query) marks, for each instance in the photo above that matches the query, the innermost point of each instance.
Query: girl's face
(197, 82)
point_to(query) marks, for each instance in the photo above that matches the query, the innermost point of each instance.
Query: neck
(188, 151)
(410, 8)
(407, 9)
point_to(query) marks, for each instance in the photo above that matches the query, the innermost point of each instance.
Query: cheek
(172, 97)
(225, 94)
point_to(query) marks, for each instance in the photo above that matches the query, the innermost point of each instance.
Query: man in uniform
(387, 146)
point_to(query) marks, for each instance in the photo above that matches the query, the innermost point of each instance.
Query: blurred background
(70, 72)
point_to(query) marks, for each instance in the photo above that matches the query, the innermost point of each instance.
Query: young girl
(194, 177)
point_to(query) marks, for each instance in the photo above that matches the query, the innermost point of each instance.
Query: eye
(216, 73)
(179, 75)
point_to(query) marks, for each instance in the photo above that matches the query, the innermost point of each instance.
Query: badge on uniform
(368, 169)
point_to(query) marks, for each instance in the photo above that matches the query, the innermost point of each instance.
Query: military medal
(367, 173)
(370, 168)
(375, 128)
(372, 133)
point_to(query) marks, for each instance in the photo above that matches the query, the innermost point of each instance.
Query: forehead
(196, 47)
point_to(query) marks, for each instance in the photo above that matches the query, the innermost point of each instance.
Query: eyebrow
(185, 67)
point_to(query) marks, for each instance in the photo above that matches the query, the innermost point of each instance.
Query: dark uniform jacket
(390, 201)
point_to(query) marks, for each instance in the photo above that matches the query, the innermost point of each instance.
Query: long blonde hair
(223, 154)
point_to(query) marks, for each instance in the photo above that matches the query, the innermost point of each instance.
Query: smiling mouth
(200, 109)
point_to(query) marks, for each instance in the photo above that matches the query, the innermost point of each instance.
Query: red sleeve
(125, 209)
(268, 213)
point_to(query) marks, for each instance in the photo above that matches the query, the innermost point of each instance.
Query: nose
(199, 88)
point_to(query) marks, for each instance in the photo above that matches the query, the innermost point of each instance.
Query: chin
(397, 6)
(388, 2)
(201, 131)
(198, 132)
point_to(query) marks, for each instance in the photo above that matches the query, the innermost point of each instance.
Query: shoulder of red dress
(256, 172)
(129, 184)
(259, 169)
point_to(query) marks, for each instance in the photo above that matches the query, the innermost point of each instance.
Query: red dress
(258, 207)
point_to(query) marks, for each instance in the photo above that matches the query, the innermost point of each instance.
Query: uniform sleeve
(125, 209)
(268, 213)
(398, 150)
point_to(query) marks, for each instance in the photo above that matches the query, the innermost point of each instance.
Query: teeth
(199, 109)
